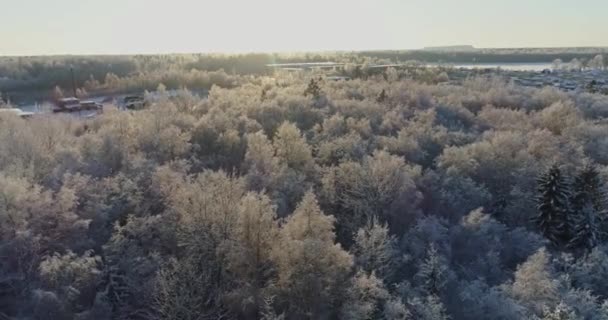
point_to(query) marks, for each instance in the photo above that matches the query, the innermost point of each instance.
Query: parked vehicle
(73, 104)
(18, 112)
(134, 102)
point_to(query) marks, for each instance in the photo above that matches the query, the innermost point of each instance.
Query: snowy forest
(293, 196)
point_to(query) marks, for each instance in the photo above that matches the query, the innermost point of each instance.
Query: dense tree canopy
(281, 197)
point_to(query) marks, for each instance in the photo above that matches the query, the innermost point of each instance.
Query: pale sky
(32, 27)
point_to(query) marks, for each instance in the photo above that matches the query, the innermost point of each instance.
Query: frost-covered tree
(311, 268)
(184, 291)
(395, 309)
(57, 94)
(575, 65)
(72, 278)
(590, 271)
(428, 308)
(559, 117)
(249, 261)
(81, 93)
(382, 186)
(205, 211)
(486, 248)
(268, 312)
(291, 148)
(596, 63)
(132, 257)
(557, 64)
(479, 301)
(364, 298)
(391, 74)
(375, 250)
(433, 273)
(260, 163)
(561, 312)
(534, 285)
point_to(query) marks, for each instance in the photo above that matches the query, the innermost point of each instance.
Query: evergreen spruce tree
(588, 188)
(358, 73)
(382, 96)
(553, 206)
(584, 231)
(313, 89)
(588, 209)
(263, 95)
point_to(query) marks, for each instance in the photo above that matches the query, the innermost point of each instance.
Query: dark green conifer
(584, 229)
(263, 95)
(588, 209)
(313, 89)
(553, 206)
(382, 96)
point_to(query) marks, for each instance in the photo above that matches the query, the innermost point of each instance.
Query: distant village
(588, 80)
(594, 81)
(564, 77)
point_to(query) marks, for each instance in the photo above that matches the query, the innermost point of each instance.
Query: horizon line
(229, 52)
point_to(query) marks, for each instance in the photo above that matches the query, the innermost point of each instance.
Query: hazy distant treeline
(486, 56)
(39, 75)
